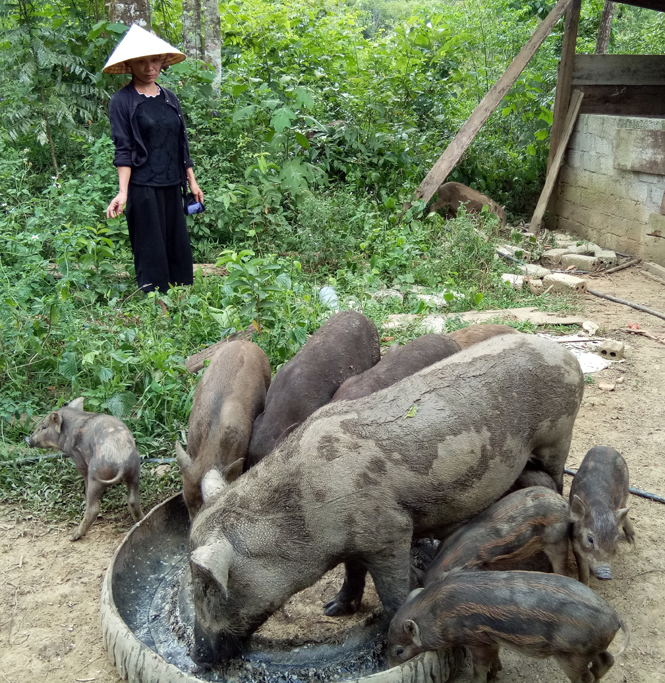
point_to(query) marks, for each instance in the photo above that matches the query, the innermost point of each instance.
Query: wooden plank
(637, 149)
(489, 103)
(564, 78)
(624, 100)
(618, 70)
(553, 172)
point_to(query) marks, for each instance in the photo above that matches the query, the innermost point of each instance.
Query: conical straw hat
(140, 43)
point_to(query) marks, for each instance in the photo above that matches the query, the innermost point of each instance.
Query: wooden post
(550, 180)
(565, 77)
(489, 103)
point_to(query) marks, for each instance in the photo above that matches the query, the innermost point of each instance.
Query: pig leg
(93, 494)
(486, 662)
(133, 500)
(391, 573)
(629, 530)
(601, 664)
(557, 553)
(347, 601)
(552, 459)
(582, 568)
(576, 667)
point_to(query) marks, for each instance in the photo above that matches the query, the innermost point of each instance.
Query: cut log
(553, 171)
(489, 103)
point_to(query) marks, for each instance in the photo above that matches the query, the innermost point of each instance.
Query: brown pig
(229, 396)
(468, 336)
(450, 196)
(358, 480)
(513, 529)
(539, 615)
(398, 363)
(345, 345)
(598, 500)
(103, 451)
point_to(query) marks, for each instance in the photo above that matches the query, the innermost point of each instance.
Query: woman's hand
(117, 205)
(195, 190)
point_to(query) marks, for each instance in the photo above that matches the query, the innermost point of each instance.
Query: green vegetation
(327, 117)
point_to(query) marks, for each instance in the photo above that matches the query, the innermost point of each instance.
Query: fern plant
(48, 91)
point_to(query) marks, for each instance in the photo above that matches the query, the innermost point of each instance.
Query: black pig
(345, 345)
(398, 363)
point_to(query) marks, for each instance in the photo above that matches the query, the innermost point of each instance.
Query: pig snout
(602, 571)
(208, 652)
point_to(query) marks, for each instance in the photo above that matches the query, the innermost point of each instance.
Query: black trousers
(158, 234)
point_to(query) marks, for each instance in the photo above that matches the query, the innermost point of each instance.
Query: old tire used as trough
(145, 613)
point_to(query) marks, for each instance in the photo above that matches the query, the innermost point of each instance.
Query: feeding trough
(147, 618)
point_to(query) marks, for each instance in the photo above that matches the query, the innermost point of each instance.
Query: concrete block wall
(612, 207)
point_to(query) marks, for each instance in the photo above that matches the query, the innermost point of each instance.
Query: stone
(534, 271)
(517, 281)
(590, 327)
(606, 257)
(585, 249)
(561, 282)
(654, 269)
(606, 387)
(612, 350)
(512, 250)
(536, 286)
(580, 261)
(161, 471)
(384, 294)
(399, 320)
(552, 257)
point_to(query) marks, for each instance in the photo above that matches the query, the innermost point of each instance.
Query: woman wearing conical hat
(152, 157)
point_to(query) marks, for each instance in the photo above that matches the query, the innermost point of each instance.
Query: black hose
(634, 491)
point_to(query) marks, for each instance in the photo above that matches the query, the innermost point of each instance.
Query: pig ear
(620, 515)
(56, 420)
(391, 350)
(234, 470)
(184, 461)
(215, 559)
(578, 507)
(413, 631)
(415, 591)
(213, 485)
(77, 403)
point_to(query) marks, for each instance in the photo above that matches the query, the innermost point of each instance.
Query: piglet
(103, 451)
(598, 499)
(539, 615)
(513, 529)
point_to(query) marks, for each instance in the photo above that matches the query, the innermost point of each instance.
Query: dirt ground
(49, 587)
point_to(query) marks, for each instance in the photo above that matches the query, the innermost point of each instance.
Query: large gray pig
(229, 396)
(360, 478)
(345, 345)
(398, 363)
